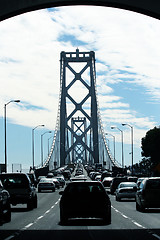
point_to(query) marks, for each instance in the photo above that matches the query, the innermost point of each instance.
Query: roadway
(43, 223)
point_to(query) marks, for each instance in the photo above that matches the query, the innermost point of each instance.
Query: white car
(126, 190)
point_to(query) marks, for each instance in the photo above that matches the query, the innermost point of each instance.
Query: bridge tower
(78, 142)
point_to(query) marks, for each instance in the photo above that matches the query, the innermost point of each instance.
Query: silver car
(126, 190)
(46, 184)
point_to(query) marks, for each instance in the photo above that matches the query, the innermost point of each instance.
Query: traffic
(82, 196)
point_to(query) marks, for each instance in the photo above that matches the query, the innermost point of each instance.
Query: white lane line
(40, 217)
(124, 216)
(134, 222)
(155, 235)
(29, 225)
(47, 211)
(137, 224)
(10, 237)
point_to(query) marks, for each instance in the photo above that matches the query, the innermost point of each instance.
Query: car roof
(85, 183)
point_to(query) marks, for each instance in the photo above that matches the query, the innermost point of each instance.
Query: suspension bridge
(79, 135)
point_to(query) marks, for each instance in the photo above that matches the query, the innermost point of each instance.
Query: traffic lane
(150, 219)
(21, 217)
(49, 227)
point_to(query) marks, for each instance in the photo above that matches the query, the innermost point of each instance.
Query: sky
(126, 46)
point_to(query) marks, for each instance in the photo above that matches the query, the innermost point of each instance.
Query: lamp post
(114, 144)
(33, 143)
(42, 145)
(126, 124)
(5, 130)
(122, 144)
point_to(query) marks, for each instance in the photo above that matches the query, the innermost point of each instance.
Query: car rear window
(153, 184)
(84, 188)
(14, 181)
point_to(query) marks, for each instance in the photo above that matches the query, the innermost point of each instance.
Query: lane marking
(10, 237)
(29, 225)
(134, 222)
(155, 235)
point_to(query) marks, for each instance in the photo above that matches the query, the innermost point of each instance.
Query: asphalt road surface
(44, 223)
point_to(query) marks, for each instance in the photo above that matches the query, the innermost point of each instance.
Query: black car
(5, 208)
(148, 194)
(85, 199)
(20, 188)
(115, 182)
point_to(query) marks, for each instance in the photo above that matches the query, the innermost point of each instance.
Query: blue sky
(126, 46)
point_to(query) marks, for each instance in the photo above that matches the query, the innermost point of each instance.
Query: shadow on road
(84, 234)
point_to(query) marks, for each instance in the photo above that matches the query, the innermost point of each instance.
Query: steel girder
(66, 128)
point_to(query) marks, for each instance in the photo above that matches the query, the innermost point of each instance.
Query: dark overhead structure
(82, 138)
(11, 8)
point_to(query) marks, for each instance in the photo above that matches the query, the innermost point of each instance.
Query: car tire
(107, 217)
(53, 190)
(30, 204)
(118, 198)
(139, 208)
(35, 202)
(63, 218)
(7, 216)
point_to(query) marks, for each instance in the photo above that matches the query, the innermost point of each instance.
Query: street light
(122, 144)
(5, 131)
(126, 124)
(33, 143)
(114, 144)
(42, 145)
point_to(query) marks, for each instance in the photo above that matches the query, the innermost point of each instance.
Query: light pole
(33, 143)
(114, 144)
(122, 144)
(42, 145)
(5, 131)
(126, 124)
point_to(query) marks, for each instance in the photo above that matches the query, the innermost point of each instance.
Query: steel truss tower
(75, 142)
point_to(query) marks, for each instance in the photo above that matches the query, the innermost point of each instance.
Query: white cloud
(30, 54)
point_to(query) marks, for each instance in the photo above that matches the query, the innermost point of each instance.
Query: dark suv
(5, 209)
(148, 194)
(20, 188)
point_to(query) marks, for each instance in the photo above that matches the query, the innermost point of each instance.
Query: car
(79, 178)
(56, 182)
(139, 180)
(148, 194)
(132, 179)
(5, 207)
(50, 175)
(66, 174)
(40, 177)
(33, 178)
(126, 190)
(20, 188)
(61, 181)
(46, 184)
(105, 174)
(115, 182)
(85, 199)
(98, 177)
(107, 181)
